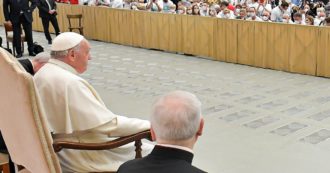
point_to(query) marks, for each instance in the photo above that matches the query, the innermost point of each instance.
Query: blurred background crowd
(285, 11)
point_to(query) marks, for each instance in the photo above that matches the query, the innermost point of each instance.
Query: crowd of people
(284, 11)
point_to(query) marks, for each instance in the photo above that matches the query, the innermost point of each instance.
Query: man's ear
(72, 55)
(201, 127)
(153, 135)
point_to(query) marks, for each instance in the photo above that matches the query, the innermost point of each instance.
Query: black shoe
(49, 41)
(32, 54)
(19, 55)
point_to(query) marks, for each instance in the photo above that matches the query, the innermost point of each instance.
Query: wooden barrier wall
(291, 48)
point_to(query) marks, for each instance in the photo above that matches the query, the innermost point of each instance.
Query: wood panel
(303, 47)
(175, 36)
(164, 31)
(90, 26)
(126, 27)
(102, 30)
(188, 34)
(231, 39)
(260, 44)
(204, 30)
(148, 31)
(323, 53)
(138, 28)
(220, 40)
(278, 46)
(245, 42)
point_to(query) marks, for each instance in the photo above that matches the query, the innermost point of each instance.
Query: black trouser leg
(54, 22)
(27, 26)
(3, 148)
(17, 37)
(45, 24)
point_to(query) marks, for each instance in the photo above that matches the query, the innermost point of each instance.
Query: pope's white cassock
(75, 112)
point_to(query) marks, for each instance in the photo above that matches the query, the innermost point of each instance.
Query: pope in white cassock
(76, 112)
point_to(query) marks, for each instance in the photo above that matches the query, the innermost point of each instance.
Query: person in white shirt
(166, 6)
(263, 7)
(297, 17)
(277, 12)
(76, 112)
(99, 3)
(320, 16)
(287, 19)
(116, 4)
(265, 16)
(253, 3)
(252, 14)
(226, 14)
(204, 10)
(212, 12)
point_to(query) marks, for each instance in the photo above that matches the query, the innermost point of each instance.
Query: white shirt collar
(177, 147)
(63, 65)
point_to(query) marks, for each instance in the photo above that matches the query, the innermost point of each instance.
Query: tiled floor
(257, 120)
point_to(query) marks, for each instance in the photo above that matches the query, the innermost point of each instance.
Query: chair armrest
(59, 145)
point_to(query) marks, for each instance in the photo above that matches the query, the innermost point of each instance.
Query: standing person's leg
(17, 39)
(53, 19)
(45, 24)
(27, 26)
(3, 147)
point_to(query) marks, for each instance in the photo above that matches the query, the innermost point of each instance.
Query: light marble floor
(257, 120)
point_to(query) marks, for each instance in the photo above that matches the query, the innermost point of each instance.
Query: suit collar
(162, 152)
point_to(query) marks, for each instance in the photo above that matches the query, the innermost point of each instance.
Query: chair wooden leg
(138, 149)
(7, 45)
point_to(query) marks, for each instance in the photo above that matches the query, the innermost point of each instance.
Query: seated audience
(204, 10)
(252, 14)
(75, 111)
(287, 19)
(298, 19)
(189, 10)
(309, 20)
(277, 12)
(320, 16)
(242, 14)
(212, 12)
(176, 124)
(265, 16)
(266, 11)
(195, 9)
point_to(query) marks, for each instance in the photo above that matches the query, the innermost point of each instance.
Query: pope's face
(82, 57)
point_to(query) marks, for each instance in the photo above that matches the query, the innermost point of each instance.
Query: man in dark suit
(19, 12)
(176, 124)
(47, 13)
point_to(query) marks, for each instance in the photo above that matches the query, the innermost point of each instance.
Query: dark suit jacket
(43, 8)
(162, 160)
(27, 64)
(13, 8)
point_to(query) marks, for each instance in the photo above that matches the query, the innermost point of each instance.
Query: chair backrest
(8, 27)
(22, 121)
(75, 17)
